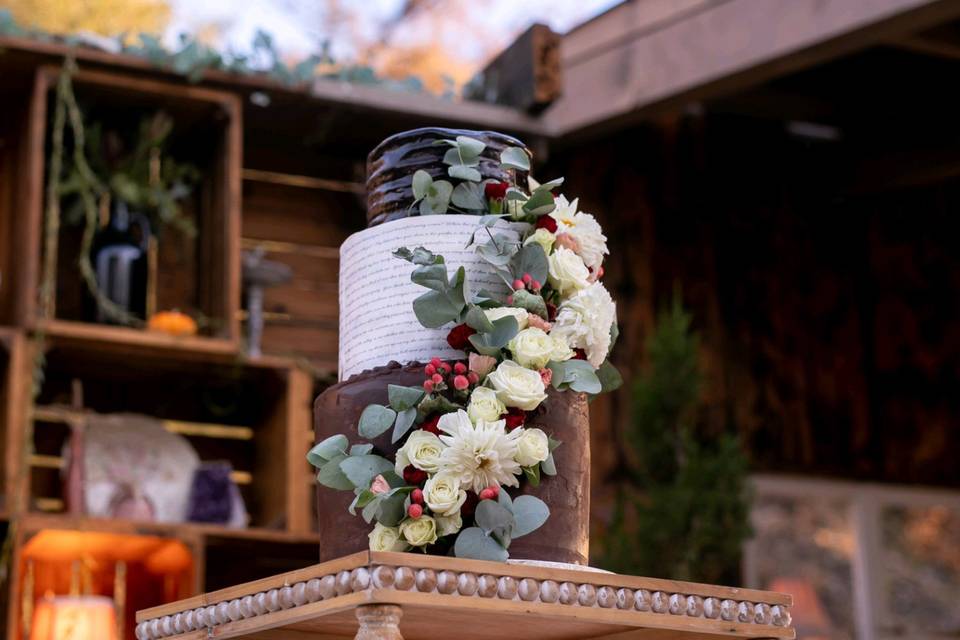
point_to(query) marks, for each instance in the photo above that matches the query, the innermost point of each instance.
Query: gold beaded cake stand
(378, 596)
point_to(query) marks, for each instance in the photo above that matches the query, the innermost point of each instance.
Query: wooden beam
(715, 48)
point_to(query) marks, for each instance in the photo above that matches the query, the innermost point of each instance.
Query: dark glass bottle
(119, 258)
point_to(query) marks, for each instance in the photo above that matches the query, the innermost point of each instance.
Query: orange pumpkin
(174, 323)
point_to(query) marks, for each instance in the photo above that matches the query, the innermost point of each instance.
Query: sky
(470, 30)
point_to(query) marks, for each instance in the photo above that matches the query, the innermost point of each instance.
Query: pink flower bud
(460, 383)
(496, 490)
(473, 377)
(379, 485)
(459, 368)
(415, 510)
(416, 496)
(435, 361)
(437, 378)
(527, 278)
(487, 494)
(518, 284)
(535, 285)
(481, 365)
(537, 322)
(429, 370)
(546, 375)
(428, 386)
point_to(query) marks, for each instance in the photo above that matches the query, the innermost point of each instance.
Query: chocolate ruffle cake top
(390, 167)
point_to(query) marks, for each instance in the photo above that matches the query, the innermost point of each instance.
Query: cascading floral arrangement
(468, 434)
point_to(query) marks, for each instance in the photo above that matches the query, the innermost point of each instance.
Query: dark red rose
(458, 338)
(551, 312)
(413, 476)
(469, 505)
(579, 354)
(515, 418)
(496, 190)
(430, 424)
(546, 222)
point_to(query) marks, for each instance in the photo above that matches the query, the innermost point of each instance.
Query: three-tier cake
(473, 323)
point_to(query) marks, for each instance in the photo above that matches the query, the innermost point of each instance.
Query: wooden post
(379, 622)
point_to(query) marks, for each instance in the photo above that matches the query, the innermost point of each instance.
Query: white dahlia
(584, 228)
(584, 321)
(479, 455)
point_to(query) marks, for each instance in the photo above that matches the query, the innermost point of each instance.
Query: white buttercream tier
(377, 322)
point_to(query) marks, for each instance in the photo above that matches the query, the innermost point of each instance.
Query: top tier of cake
(390, 167)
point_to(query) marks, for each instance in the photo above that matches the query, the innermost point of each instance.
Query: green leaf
(469, 196)
(548, 467)
(530, 513)
(515, 158)
(361, 470)
(403, 398)
(533, 474)
(610, 378)
(432, 276)
(539, 203)
(455, 158)
(504, 499)
(362, 499)
(374, 420)
(437, 199)
(327, 450)
(405, 420)
(392, 509)
(498, 250)
(421, 184)
(531, 259)
(436, 403)
(435, 309)
(332, 476)
(491, 219)
(549, 186)
(532, 302)
(470, 146)
(504, 330)
(516, 194)
(462, 172)
(478, 320)
(361, 449)
(455, 293)
(493, 516)
(371, 509)
(419, 256)
(577, 375)
(474, 543)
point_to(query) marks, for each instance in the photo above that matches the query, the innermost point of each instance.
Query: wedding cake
(473, 326)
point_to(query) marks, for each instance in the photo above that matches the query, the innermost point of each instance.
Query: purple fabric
(212, 496)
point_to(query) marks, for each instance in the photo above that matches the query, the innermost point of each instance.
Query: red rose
(546, 222)
(496, 190)
(515, 418)
(551, 312)
(469, 505)
(414, 476)
(579, 354)
(430, 424)
(458, 338)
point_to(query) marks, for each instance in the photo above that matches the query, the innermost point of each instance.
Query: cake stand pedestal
(389, 596)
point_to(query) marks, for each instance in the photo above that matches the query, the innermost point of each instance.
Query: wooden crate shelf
(200, 276)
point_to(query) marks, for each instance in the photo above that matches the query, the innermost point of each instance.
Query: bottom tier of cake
(564, 537)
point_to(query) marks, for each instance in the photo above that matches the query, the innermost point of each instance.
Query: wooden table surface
(442, 598)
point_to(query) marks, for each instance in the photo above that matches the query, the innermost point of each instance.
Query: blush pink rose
(537, 322)
(379, 485)
(567, 241)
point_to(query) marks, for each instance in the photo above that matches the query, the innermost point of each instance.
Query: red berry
(437, 378)
(435, 361)
(444, 368)
(459, 368)
(518, 284)
(417, 496)
(527, 278)
(429, 370)
(460, 383)
(487, 494)
(428, 386)
(535, 285)
(495, 488)
(473, 377)
(415, 510)
(509, 299)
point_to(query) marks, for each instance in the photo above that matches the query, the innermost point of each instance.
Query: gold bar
(307, 182)
(202, 429)
(277, 246)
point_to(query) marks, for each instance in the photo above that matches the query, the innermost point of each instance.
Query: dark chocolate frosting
(390, 167)
(565, 535)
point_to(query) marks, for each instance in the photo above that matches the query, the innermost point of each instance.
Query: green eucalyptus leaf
(548, 467)
(539, 203)
(469, 196)
(580, 376)
(532, 302)
(478, 320)
(362, 499)
(492, 516)
(431, 276)
(515, 158)
(533, 474)
(327, 450)
(421, 184)
(374, 420)
(516, 194)
(504, 499)
(361, 449)
(475, 544)
(530, 513)
(531, 259)
(491, 219)
(470, 146)
(371, 509)
(418, 256)
(405, 420)
(455, 292)
(402, 398)
(392, 509)
(361, 470)
(435, 309)
(455, 158)
(504, 330)
(437, 199)
(332, 476)
(462, 172)
(610, 378)
(549, 186)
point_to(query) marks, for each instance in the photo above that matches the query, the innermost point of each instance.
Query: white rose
(422, 449)
(561, 350)
(384, 538)
(443, 494)
(532, 348)
(485, 405)
(448, 524)
(502, 312)
(543, 238)
(584, 321)
(533, 447)
(419, 532)
(584, 228)
(517, 386)
(567, 271)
